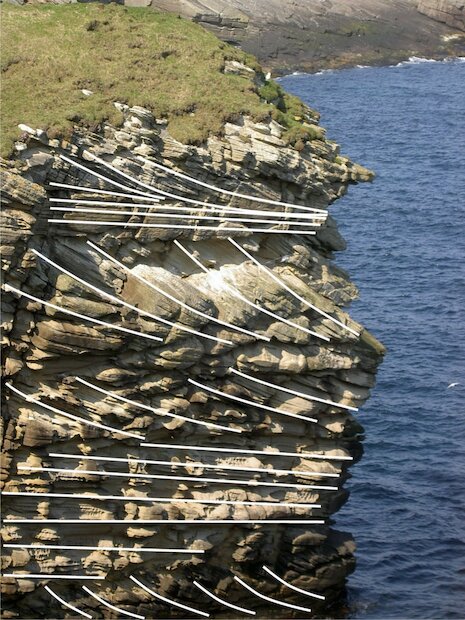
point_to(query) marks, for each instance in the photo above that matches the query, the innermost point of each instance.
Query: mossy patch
(136, 56)
(292, 113)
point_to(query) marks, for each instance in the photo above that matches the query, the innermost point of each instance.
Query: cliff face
(94, 375)
(451, 12)
(310, 36)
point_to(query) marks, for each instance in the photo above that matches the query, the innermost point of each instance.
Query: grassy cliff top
(169, 65)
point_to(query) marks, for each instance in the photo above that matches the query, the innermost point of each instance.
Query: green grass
(142, 57)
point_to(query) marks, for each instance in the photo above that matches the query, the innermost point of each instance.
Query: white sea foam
(413, 60)
(323, 71)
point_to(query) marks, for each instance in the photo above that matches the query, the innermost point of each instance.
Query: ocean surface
(406, 252)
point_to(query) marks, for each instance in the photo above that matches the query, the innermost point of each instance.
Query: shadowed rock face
(47, 351)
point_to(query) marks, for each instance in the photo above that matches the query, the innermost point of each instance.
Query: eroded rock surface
(96, 373)
(451, 12)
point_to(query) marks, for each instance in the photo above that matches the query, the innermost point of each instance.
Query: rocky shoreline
(313, 36)
(321, 363)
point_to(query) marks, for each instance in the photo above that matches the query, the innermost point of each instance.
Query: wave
(304, 74)
(413, 60)
(416, 60)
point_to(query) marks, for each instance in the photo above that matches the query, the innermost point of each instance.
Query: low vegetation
(136, 56)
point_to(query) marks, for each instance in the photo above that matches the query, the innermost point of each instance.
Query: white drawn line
(110, 606)
(8, 287)
(106, 179)
(262, 470)
(222, 601)
(107, 548)
(160, 500)
(177, 197)
(75, 418)
(283, 389)
(167, 600)
(47, 576)
(191, 256)
(94, 190)
(153, 204)
(112, 474)
(225, 191)
(302, 455)
(168, 296)
(289, 290)
(245, 229)
(172, 521)
(190, 216)
(60, 600)
(289, 585)
(236, 293)
(267, 598)
(250, 403)
(160, 412)
(115, 299)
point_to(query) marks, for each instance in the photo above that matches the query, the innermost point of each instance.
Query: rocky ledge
(119, 334)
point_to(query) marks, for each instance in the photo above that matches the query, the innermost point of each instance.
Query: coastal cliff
(313, 35)
(171, 306)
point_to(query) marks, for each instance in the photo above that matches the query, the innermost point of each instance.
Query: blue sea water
(406, 252)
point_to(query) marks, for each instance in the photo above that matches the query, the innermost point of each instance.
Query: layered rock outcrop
(313, 35)
(173, 336)
(451, 12)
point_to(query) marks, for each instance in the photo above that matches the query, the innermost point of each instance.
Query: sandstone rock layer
(93, 375)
